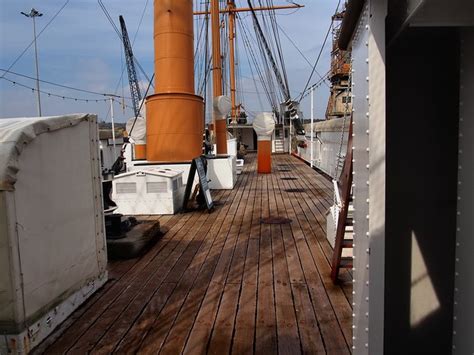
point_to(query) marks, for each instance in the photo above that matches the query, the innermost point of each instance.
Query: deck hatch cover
(295, 190)
(275, 220)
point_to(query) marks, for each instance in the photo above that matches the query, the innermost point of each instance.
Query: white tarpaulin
(52, 239)
(16, 133)
(264, 125)
(138, 133)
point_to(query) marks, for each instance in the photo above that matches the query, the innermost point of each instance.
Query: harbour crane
(132, 73)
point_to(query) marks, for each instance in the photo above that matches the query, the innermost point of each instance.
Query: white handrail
(336, 193)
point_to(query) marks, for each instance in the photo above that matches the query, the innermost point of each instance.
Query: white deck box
(221, 172)
(149, 192)
(52, 238)
(239, 166)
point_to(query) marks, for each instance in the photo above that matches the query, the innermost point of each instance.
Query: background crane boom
(132, 73)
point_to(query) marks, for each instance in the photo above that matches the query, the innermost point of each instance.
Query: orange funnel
(175, 115)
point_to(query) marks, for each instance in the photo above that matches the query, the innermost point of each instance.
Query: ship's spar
(219, 123)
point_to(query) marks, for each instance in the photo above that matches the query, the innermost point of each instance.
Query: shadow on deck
(223, 282)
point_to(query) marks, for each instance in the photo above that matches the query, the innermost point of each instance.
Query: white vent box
(52, 238)
(239, 166)
(148, 192)
(221, 171)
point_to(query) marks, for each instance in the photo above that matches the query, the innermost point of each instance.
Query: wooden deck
(223, 282)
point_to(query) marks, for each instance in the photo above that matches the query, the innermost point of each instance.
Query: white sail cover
(138, 134)
(264, 125)
(16, 133)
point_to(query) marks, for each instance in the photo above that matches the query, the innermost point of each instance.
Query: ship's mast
(230, 7)
(220, 125)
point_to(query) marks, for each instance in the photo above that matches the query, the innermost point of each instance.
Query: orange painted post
(175, 115)
(264, 125)
(264, 156)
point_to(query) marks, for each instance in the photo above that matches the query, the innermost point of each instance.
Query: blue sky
(80, 49)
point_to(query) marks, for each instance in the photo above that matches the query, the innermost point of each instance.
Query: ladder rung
(347, 243)
(346, 263)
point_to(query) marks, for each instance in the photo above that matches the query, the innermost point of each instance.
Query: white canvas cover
(52, 238)
(264, 125)
(139, 129)
(16, 133)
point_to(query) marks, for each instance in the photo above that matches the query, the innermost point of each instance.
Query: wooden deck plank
(156, 337)
(167, 273)
(201, 329)
(293, 260)
(266, 332)
(287, 328)
(221, 338)
(330, 330)
(142, 288)
(223, 282)
(318, 219)
(311, 341)
(244, 335)
(177, 337)
(143, 324)
(94, 312)
(344, 311)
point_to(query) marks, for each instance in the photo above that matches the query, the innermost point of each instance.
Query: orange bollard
(264, 156)
(264, 125)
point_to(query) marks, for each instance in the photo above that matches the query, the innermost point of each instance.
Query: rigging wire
(320, 52)
(300, 52)
(64, 97)
(141, 105)
(264, 45)
(321, 80)
(114, 26)
(37, 36)
(107, 14)
(59, 85)
(251, 56)
(140, 22)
